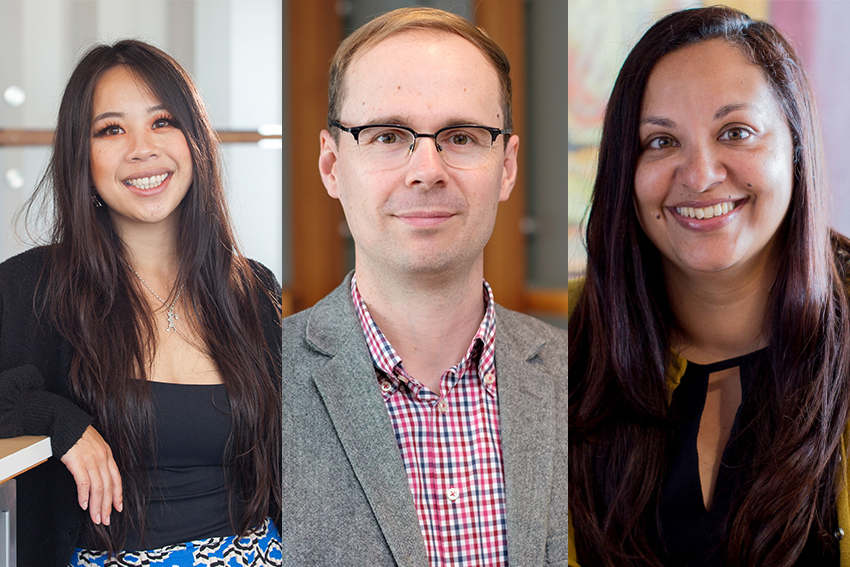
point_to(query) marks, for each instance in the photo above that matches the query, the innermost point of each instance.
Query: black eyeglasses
(465, 146)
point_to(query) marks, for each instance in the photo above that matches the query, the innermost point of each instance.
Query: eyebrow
(113, 114)
(726, 109)
(658, 121)
(721, 112)
(405, 121)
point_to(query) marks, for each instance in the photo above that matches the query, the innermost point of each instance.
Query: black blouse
(188, 498)
(692, 535)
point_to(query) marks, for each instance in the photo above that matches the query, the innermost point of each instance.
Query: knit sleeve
(34, 395)
(27, 409)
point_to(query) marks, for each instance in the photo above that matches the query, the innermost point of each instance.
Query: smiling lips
(706, 212)
(147, 182)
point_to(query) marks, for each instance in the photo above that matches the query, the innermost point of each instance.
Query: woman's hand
(96, 474)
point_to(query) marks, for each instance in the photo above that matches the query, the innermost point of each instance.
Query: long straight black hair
(97, 304)
(619, 334)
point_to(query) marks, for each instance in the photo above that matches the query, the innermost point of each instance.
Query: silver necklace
(172, 316)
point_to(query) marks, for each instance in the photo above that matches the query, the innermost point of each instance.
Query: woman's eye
(734, 134)
(661, 143)
(111, 130)
(163, 122)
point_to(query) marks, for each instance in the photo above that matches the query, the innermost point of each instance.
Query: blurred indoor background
(526, 260)
(262, 68)
(232, 48)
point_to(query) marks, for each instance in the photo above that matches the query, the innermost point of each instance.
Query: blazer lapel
(527, 416)
(350, 391)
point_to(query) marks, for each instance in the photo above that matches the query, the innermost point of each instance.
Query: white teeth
(147, 182)
(706, 212)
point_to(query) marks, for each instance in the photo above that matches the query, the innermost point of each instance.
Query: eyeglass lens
(463, 148)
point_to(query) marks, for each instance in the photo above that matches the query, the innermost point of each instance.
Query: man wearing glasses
(422, 423)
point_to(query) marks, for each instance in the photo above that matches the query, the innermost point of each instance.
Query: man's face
(420, 217)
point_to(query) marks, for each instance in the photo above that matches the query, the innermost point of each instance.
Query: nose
(701, 168)
(142, 145)
(426, 168)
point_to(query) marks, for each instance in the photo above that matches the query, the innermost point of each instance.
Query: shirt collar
(386, 359)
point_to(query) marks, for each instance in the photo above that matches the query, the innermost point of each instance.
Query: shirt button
(443, 406)
(489, 378)
(386, 386)
(453, 493)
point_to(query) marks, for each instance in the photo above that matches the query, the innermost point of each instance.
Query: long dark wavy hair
(97, 304)
(619, 338)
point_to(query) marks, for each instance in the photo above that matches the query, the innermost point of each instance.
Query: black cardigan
(35, 399)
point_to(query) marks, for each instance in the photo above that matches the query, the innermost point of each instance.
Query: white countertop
(19, 454)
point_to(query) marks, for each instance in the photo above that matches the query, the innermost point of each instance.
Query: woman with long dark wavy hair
(139, 338)
(709, 339)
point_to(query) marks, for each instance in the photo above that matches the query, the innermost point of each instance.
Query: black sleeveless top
(692, 535)
(188, 498)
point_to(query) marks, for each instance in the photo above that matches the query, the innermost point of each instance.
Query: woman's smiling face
(141, 165)
(714, 178)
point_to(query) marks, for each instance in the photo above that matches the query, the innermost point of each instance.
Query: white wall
(231, 47)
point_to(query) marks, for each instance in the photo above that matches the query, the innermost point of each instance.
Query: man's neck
(429, 321)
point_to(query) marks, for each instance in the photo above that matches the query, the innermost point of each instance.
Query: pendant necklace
(170, 313)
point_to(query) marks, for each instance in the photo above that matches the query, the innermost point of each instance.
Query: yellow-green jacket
(674, 376)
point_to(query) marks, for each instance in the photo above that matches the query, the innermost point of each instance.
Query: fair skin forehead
(377, 91)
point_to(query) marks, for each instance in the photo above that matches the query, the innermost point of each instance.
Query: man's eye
(386, 138)
(460, 139)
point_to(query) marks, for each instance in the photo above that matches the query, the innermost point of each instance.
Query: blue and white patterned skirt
(260, 548)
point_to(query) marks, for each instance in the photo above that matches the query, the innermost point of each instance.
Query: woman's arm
(27, 409)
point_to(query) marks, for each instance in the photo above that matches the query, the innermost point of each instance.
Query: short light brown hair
(409, 19)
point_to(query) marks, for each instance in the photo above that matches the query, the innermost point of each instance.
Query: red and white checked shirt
(450, 444)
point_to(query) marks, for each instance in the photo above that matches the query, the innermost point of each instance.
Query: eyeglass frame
(355, 132)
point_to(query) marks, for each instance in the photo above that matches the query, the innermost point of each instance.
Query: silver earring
(96, 200)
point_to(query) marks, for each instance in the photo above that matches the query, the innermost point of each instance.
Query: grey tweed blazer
(346, 501)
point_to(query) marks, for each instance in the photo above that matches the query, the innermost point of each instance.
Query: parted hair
(619, 338)
(411, 19)
(98, 305)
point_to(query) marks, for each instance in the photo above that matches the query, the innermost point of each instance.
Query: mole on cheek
(749, 184)
(657, 217)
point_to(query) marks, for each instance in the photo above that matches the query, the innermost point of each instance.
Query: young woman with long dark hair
(139, 338)
(709, 341)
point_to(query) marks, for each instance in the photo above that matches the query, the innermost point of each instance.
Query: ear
(509, 168)
(327, 163)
